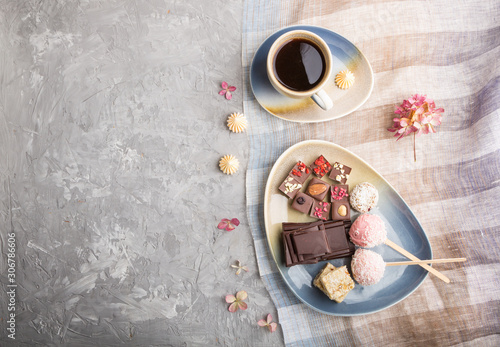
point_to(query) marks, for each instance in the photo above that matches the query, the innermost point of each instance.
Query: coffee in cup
(299, 64)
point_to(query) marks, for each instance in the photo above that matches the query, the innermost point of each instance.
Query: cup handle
(323, 100)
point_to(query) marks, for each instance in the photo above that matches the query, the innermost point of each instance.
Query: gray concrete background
(111, 129)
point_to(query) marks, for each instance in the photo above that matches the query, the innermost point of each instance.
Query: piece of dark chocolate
(317, 188)
(321, 166)
(337, 234)
(316, 232)
(288, 229)
(330, 237)
(300, 172)
(339, 192)
(340, 172)
(290, 187)
(320, 210)
(312, 242)
(286, 253)
(302, 202)
(341, 210)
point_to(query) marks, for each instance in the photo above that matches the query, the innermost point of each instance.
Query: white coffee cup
(285, 60)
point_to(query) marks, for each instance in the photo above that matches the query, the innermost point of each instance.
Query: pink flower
(237, 301)
(268, 323)
(226, 90)
(228, 224)
(418, 115)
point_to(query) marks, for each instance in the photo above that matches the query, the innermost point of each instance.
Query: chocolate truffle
(364, 197)
(317, 189)
(290, 187)
(302, 202)
(321, 166)
(340, 172)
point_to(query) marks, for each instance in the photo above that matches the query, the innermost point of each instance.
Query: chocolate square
(341, 210)
(320, 210)
(337, 237)
(290, 229)
(302, 202)
(313, 243)
(339, 192)
(337, 234)
(290, 187)
(340, 172)
(321, 166)
(317, 189)
(300, 172)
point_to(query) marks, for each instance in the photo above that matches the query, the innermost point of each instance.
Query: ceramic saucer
(345, 56)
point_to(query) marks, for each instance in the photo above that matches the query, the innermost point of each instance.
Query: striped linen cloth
(450, 51)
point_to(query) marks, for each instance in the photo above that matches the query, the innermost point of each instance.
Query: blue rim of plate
(346, 56)
(387, 197)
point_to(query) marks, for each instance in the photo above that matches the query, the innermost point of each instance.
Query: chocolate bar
(308, 243)
(290, 228)
(337, 234)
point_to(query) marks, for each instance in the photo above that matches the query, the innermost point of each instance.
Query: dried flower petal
(227, 224)
(262, 323)
(241, 295)
(226, 90)
(239, 267)
(237, 301)
(268, 323)
(243, 306)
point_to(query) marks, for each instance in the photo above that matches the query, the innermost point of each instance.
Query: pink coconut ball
(367, 267)
(368, 230)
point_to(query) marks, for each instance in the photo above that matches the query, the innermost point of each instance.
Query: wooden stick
(412, 257)
(432, 261)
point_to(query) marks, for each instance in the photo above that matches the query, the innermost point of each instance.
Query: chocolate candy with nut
(290, 187)
(340, 172)
(341, 210)
(317, 189)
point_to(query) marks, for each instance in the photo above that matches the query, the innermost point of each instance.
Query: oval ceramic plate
(402, 228)
(345, 56)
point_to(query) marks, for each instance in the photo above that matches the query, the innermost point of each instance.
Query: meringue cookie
(344, 79)
(229, 164)
(237, 122)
